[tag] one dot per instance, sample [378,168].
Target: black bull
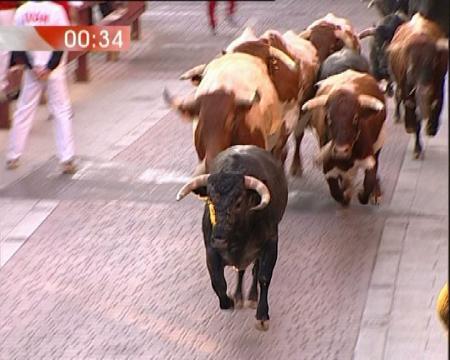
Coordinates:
[246,196]
[435,10]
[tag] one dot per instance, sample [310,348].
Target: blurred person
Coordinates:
[44,70]
[212,14]
[7,11]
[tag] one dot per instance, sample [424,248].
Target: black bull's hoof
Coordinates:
[227,304]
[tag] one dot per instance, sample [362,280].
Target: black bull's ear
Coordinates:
[201,192]
[253,198]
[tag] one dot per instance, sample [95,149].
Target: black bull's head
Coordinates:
[230,198]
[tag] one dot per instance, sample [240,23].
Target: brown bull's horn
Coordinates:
[283,57]
[320,100]
[195,71]
[367,32]
[371,3]
[178,103]
[195,183]
[257,185]
[370,102]
[305,34]
[340,34]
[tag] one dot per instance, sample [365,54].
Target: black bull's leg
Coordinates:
[266,264]
[238,298]
[253,294]
[216,273]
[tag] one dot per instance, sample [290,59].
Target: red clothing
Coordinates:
[8,5]
[212,11]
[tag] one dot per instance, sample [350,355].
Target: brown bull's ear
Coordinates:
[196,80]
[315,102]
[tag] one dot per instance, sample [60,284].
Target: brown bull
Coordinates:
[234,104]
[294,88]
[330,34]
[292,66]
[348,115]
[418,58]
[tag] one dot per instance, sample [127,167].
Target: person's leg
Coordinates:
[61,109]
[27,104]
[6,19]
[231,11]
[231,7]
[212,15]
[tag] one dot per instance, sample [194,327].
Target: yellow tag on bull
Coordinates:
[212,212]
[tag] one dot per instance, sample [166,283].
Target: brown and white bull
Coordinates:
[293,76]
[348,116]
[294,88]
[330,34]
[235,103]
[418,58]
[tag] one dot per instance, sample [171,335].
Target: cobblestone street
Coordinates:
[105,264]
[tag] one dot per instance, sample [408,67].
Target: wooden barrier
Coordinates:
[127,14]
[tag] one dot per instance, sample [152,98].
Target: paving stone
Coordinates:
[386,268]
[118,270]
[371,343]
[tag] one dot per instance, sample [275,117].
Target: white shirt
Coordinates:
[41,13]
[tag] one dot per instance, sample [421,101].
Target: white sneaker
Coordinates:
[69,167]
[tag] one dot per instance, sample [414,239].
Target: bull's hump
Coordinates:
[240,74]
[302,49]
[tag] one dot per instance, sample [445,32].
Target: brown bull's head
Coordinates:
[343,110]
[328,38]
[217,116]
[230,198]
[426,68]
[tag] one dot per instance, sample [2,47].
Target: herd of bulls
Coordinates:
[261,90]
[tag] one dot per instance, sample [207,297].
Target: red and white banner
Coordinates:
[65,38]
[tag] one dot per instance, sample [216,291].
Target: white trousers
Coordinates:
[59,106]
[6,19]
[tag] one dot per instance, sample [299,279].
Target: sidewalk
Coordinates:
[111,267]
[400,319]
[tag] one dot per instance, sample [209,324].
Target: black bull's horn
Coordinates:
[250,182]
